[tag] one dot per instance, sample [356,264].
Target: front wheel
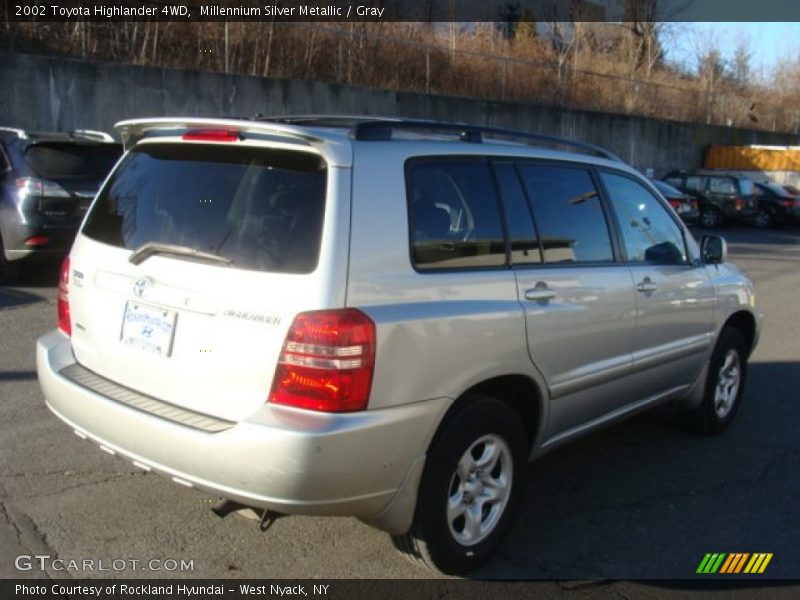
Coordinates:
[470,489]
[727,370]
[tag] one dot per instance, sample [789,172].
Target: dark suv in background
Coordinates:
[47,181]
[776,206]
[724,198]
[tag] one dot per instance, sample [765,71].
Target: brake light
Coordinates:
[38,240]
[789,203]
[211,135]
[327,362]
[674,202]
[64,322]
[695,205]
[739,203]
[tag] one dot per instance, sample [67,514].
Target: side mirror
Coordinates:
[713,249]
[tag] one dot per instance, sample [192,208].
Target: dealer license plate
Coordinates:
[148,328]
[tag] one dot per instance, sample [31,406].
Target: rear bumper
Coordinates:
[283,459]
[59,240]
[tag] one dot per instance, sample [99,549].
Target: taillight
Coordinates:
[789,203]
[327,361]
[739,203]
[211,135]
[64,323]
[695,205]
[30,186]
[674,202]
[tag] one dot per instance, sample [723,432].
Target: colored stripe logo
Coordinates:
[734,563]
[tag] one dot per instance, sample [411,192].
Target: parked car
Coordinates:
[686,206]
[47,181]
[385,319]
[776,206]
[724,198]
[792,190]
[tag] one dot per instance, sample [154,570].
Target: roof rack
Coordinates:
[92,134]
[381,129]
[18,132]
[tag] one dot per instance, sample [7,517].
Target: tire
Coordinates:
[9,271]
[764,219]
[443,536]
[727,373]
[710,218]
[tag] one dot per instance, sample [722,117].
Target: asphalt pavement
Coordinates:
[641,500]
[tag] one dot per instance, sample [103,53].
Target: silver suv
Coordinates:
[382,318]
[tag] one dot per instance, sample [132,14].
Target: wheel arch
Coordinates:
[518,391]
[744,322]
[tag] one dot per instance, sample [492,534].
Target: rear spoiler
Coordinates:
[336,149]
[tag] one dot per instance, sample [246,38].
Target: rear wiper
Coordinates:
[145,251]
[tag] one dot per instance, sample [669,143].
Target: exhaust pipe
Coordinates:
[264,517]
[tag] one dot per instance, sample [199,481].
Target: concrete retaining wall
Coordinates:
[49,93]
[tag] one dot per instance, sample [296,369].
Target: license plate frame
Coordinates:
[148,328]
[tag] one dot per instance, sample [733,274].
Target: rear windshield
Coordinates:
[667,189]
[262,209]
[72,161]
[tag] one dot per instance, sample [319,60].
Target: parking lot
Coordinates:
[643,499]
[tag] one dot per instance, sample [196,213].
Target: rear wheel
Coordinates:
[724,385]
[470,488]
[764,219]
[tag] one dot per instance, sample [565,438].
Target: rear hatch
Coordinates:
[192,264]
[70,173]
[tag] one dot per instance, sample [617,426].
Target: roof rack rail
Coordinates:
[18,132]
[381,129]
[92,134]
[376,130]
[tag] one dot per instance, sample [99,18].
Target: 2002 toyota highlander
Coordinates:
[382,318]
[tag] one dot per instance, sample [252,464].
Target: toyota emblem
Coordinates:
[140,286]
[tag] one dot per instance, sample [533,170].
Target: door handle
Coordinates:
[540,293]
[647,285]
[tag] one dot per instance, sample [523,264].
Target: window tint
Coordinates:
[519,223]
[59,160]
[260,208]
[696,183]
[721,185]
[455,220]
[676,182]
[568,214]
[649,233]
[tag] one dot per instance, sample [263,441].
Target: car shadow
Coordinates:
[646,499]
[14,298]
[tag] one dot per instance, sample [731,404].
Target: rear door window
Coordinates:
[721,185]
[260,208]
[454,215]
[568,214]
[696,183]
[60,160]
